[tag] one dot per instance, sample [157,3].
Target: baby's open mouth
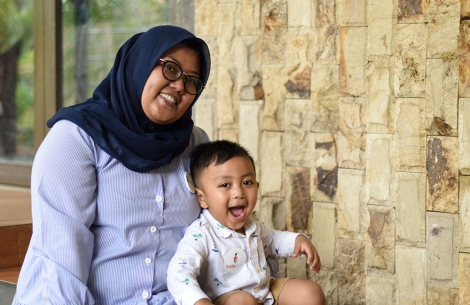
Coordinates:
[237,211]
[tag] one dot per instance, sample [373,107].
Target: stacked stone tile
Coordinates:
[357,114]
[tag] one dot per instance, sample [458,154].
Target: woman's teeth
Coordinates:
[168,98]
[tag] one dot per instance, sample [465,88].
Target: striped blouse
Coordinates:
[102,234]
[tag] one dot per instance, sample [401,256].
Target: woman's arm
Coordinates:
[63,189]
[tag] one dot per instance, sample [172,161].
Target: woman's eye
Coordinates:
[192,81]
[170,68]
[248,182]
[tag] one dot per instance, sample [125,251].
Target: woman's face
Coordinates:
[165,101]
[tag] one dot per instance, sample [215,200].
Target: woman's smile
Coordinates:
[169,98]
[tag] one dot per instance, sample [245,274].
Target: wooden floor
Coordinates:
[15,230]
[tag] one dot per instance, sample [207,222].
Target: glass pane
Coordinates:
[93,31]
[16,81]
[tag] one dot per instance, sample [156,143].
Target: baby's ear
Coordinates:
[201,198]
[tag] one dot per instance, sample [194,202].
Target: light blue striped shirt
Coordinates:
[102,234]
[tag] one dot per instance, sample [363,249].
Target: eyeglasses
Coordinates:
[172,71]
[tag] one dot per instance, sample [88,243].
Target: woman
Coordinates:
[110,193]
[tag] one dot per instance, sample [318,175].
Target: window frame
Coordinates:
[47,32]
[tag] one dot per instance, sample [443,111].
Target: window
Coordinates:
[74,45]
[16,91]
[93,31]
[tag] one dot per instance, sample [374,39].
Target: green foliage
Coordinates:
[16,25]
[16,29]
[26,19]
[110,23]
[24,94]
[11,28]
[118,13]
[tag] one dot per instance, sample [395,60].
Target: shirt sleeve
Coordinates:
[277,244]
[63,189]
[185,266]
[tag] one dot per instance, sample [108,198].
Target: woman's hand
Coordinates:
[304,246]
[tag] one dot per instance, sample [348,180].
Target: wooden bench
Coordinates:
[15,230]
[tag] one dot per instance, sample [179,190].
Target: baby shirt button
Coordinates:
[153,229]
[158,198]
[148,261]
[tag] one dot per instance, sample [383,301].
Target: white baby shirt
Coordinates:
[212,260]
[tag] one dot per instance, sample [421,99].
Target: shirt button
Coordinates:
[153,229]
[256,289]
[158,198]
[148,261]
[257,269]
[145,294]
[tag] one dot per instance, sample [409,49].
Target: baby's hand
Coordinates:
[304,246]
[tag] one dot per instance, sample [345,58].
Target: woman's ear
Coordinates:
[201,198]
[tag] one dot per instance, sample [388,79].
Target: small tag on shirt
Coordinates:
[234,260]
[189,182]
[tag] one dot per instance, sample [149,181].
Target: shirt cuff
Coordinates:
[191,297]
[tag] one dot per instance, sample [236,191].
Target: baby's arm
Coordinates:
[286,244]
[304,246]
[185,267]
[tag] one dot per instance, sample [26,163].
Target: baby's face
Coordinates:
[229,191]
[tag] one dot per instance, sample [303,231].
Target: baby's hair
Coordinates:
[215,152]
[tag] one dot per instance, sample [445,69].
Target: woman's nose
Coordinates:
[178,84]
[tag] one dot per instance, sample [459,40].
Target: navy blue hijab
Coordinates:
[114,117]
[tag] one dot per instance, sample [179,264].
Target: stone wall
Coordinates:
[357,114]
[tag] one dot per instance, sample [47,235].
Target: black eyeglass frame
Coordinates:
[164,62]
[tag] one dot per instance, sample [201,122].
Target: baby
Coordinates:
[222,258]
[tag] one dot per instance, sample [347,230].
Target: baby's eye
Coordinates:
[248,182]
[223,185]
